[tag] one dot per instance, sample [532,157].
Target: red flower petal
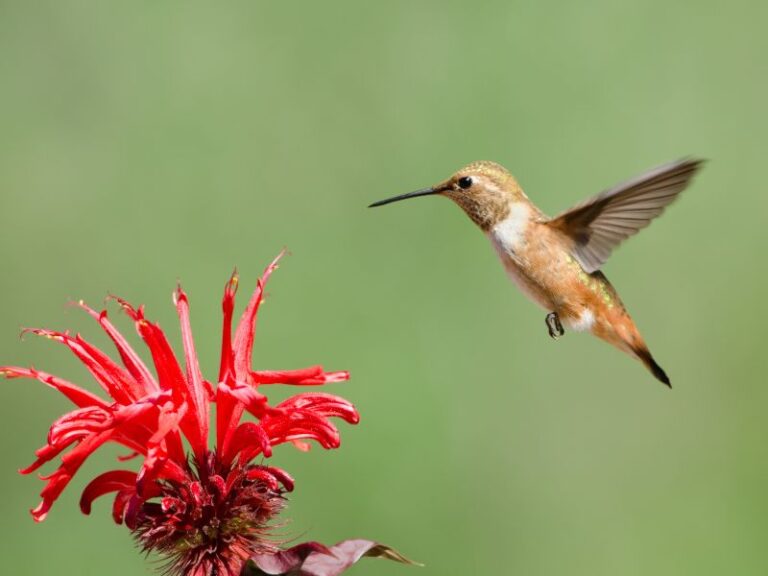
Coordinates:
[46,454]
[231,399]
[113,379]
[70,463]
[312,376]
[127,457]
[226,365]
[236,367]
[196,393]
[78,423]
[169,372]
[157,452]
[282,476]
[247,435]
[301,425]
[247,397]
[75,394]
[322,405]
[131,360]
[121,503]
[123,419]
[246,328]
[264,476]
[112,481]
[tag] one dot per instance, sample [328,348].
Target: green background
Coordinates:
[146,142]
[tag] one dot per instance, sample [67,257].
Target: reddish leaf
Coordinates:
[314,559]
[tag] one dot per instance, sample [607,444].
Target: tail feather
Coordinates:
[645,357]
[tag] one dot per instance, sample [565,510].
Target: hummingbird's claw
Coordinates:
[554,325]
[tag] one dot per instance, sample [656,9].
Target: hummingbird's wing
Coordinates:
[601,223]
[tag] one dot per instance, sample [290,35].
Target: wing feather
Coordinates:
[602,222]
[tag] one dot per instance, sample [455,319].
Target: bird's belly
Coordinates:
[527,284]
[555,290]
[549,277]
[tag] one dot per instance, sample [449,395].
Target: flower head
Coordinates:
[207,510]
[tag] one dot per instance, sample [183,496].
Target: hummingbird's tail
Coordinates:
[644,355]
[622,333]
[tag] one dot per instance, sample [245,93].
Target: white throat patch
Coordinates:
[509,234]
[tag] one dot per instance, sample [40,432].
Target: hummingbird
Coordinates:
[556,261]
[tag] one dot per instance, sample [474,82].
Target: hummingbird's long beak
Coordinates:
[422,192]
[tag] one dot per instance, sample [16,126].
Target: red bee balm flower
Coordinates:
[207,511]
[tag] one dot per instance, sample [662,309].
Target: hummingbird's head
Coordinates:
[484,190]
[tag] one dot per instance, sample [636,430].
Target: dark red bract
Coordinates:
[207,510]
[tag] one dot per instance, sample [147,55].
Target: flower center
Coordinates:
[213,522]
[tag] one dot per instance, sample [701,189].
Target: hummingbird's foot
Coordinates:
[554,326]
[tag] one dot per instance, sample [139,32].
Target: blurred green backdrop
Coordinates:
[147,142]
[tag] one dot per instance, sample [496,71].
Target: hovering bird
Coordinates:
[556,261]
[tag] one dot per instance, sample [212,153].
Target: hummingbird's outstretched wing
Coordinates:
[601,223]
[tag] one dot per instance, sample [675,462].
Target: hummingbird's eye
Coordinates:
[465,182]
